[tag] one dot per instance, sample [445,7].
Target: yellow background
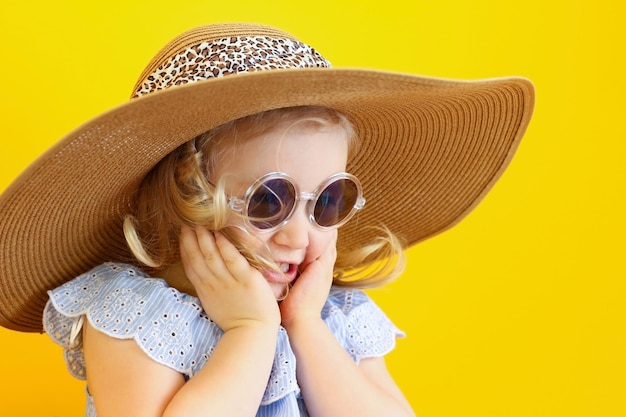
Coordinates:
[519,310]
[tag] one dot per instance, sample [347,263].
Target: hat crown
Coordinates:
[218,50]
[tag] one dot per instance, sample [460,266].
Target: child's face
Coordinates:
[309,156]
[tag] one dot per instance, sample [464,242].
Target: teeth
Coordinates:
[284,267]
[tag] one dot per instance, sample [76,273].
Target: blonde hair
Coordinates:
[177,192]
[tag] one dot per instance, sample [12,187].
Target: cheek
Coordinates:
[319,243]
[250,239]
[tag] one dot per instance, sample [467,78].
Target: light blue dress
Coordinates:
[172,328]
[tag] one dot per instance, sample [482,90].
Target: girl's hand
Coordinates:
[232,292]
[309,293]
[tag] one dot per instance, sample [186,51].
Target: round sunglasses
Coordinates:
[270,201]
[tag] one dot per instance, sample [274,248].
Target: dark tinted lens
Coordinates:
[335,202]
[271,203]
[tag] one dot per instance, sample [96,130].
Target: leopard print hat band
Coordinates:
[226,55]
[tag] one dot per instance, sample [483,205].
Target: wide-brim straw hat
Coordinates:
[430,150]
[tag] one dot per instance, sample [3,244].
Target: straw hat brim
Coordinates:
[430,150]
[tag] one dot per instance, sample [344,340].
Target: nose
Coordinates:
[295,234]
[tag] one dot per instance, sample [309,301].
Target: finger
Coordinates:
[191,255]
[329,256]
[188,247]
[234,261]
[211,255]
[201,259]
[322,267]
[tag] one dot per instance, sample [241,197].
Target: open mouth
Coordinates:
[288,273]
[290,270]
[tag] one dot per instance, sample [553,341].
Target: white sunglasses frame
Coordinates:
[240,205]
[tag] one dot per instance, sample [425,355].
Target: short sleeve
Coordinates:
[123,302]
[360,326]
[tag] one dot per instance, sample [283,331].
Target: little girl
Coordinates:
[203,246]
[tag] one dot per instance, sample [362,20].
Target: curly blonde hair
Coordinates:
[177,192]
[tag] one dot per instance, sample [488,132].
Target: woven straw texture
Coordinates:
[430,151]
